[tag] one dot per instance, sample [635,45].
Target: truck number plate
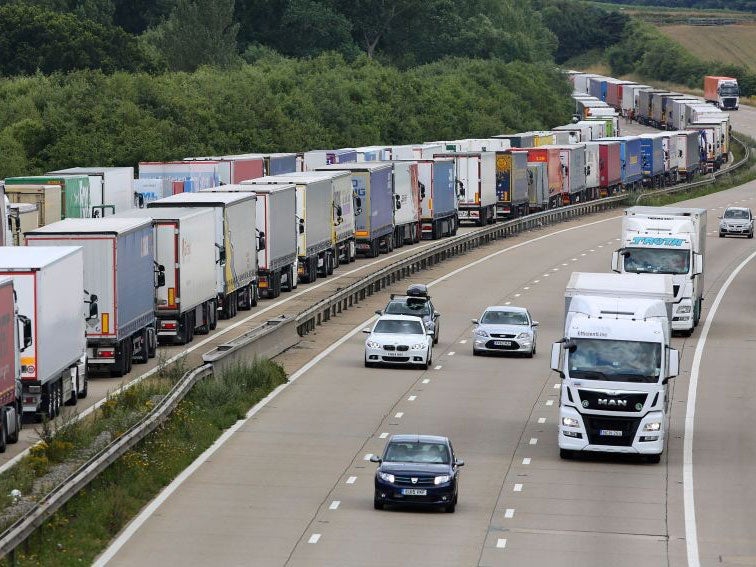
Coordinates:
[414,491]
[463,214]
[502,343]
[610,433]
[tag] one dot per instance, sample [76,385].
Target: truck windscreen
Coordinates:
[657,260]
[618,361]
[729,91]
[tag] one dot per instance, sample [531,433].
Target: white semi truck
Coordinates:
[667,240]
[615,361]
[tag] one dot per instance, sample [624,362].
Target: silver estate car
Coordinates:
[736,220]
[505,329]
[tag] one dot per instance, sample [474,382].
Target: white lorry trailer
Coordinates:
[276,234]
[185,297]
[119,280]
[235,245]
[476,185]
[407,203]
[49,286]
[115,191]
[667,240]
[615,361]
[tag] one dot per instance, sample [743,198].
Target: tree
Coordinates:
[198,32]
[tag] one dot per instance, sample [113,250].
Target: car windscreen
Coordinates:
[410,306]
[736,214]
[409,452]
[657,260]
[399,327]
[619,361]
[504,318]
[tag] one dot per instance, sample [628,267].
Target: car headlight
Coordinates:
[524,335]
[418,346]
[430,324]
[372,344]
[684,309]
[570,422]
[386,476]
[652,426]
[481,333]
[442,479]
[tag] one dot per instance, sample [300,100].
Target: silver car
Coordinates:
[505,329]
[736,220]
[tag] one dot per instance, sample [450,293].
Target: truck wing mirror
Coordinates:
[221,254]
[617,261]
[261,241]
[301,226]
[556,353]
[159,275]
[674,363]
[93,309]
[26,331]
[398,201]
[697,264]
[422,190]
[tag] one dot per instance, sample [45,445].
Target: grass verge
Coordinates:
[82,529]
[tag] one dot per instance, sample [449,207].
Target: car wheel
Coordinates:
[476,352]
[653,459]
[451,507]
[721,235]
[377,504]
[750,235]
[368,364]
[566,454]
[531,353]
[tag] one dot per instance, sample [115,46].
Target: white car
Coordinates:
[736,221]
[399,339]
[505,329]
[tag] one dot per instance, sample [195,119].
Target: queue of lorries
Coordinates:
[123,263]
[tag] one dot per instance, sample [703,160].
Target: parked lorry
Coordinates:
[15,335]
[521,140]
[407,202]
[538,186]
[234,168]
[315,158]
[148,190]
[549,156]
[374,153]
[74,194]
[415,151]
[22,217]
[275,163]
[511,184]
[603,168]
[235,245]
[566,171]
[119,282]
[615,360]
[276,230]
[47,198]
[652,159]
[49,286]
[185,176]
[631,162]
[476,185]
[374,205]
[723,92]
[185,300]
[438,197]
[688,152]
[667,240]
[114,190]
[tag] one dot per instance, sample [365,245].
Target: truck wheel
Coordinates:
[213,314]
[74,397]
[129,358]
[13,437]
[374,249]
[85,390]
[352,248]
[144,356]
[329,261]
[3,444]
[254,295]
[204,329]
[336,258]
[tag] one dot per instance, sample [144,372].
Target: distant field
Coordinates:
[731,44]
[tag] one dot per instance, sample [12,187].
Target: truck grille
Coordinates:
[626,403]
[595,425]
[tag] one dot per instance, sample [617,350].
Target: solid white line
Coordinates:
[314,538]
[383,435]
[411,398]
[533,440]
[691,531]
[526,461]
[399,414]
[501,543]
[549,402]
[509,513]
[334,505]
[179,480]
[351,480]
[517,488]
[541,420]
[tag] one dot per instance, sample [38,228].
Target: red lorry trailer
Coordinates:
[10,369]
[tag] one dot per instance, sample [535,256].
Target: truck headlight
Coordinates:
[652,426]
[684,309]
[372,344]
[570,422]
[442,479]
[481,333]
[386,476]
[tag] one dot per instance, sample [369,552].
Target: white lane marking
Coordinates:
[411,398]
[351,480]
[367,457]
[556,386]
[334,505]
[383,435]
[314,538]
[564,264]
[501,543]
[426,380]
[507,303]
[549,402]
[546,275]
[536,281]
[517,294]
[158,501]
[526,288]
[526,461]
[451,353]
[574,260]
[591,250]
[533,440]
[583,254]
[438,367]
[691,531]
[517,488]
[541,420]
[509,513]
[554,269]
[399,414]
[463,341]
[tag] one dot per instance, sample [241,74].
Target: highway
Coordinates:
[292,485]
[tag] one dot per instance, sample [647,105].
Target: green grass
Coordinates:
[81,530]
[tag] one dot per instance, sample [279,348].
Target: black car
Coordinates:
[417,470]
[418,303]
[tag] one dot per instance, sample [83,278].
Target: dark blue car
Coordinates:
[417,470]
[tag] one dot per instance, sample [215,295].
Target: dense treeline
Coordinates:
[738,5]
[278,104]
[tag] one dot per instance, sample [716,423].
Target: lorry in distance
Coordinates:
[723,92]
[114,191]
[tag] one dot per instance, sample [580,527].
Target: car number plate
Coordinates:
[414,491]
[610,433]
[393,354]
[503,343]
